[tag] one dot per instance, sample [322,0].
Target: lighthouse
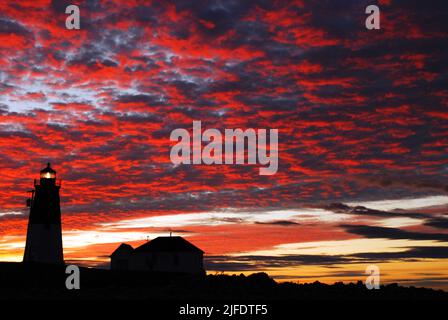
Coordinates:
[44,235]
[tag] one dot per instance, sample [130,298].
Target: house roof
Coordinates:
[168,244]
[124,247]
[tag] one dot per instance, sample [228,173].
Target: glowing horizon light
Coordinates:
[229,217]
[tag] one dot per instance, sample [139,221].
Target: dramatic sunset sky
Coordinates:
[362,119]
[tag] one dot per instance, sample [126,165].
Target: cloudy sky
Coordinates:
[362,119]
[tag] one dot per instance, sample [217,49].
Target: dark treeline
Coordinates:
[41,282]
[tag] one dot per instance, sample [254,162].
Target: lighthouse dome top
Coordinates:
[48,172]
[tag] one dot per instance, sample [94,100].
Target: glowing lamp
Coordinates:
[48,173]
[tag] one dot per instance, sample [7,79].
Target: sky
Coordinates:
[361,116]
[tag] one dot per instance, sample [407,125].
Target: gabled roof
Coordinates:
[124,247]
[168,244]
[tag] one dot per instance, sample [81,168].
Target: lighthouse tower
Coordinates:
[44,236]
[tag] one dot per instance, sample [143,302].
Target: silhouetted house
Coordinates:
[163,254]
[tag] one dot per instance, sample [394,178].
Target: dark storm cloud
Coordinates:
[243,263]
[279,223]
[139,117]
[272,103]
[333,17]
[224,263]
[12,27]
[438,222]
[223,14]
[363,211]
[387,181]
[392,233]
[59,6]
[412,253]
[91,55]
[142,98]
